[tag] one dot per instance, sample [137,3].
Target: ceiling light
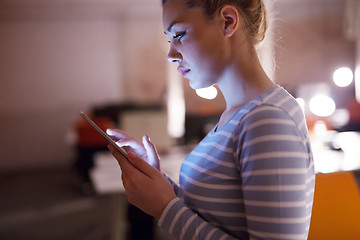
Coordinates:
[343,77]
[322,106]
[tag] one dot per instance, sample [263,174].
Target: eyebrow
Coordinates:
[170,27]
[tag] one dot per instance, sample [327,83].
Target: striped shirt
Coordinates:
[251,179]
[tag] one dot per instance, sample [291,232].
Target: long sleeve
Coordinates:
[181,221]
[176,187]
[187,224]
[277,175]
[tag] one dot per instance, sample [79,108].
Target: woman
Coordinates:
[252,176]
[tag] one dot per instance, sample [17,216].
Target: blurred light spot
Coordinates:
[340,118]
[349,142]
[207,93]
[322,106]
[343,77]
[320,128]
[175,103]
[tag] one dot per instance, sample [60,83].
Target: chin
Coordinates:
[194,86]
[198,84]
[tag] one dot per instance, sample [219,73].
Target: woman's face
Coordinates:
[196,44]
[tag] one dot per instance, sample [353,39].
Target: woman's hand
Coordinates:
[146,187]
[146,150]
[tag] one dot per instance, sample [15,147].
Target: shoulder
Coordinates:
[264,112]
[266,120]
[276,107]
[275,111]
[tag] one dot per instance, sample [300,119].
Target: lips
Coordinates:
[183,71]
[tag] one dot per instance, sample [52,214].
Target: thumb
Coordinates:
[153,156]
[141,164]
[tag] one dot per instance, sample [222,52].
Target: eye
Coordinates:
[179,36]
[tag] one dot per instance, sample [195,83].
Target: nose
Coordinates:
[174,55]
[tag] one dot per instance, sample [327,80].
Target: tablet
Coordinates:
[103,134]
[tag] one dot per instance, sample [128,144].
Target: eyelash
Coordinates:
[179,36]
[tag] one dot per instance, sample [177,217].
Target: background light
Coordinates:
[207,93]
[322,106]
[343,77]
[301,102]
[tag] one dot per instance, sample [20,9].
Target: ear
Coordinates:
[230,19]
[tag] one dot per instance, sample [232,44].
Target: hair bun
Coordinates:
[257,22]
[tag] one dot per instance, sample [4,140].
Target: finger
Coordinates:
[131,142]
[142,165]
[151,151]
[149,147]
[133,145]
[125,165]
[117,133]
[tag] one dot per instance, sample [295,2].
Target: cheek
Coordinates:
[201,56]
[204,52]
[193,53]
[212,51]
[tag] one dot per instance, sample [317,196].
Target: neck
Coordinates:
[243,80]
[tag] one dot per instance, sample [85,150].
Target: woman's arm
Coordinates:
[277,174]
[146,187]
[180,221]
[149,190]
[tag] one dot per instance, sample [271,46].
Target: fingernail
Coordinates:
[108,131]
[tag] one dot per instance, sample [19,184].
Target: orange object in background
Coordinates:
[354,110]
[336,209]
[88,137]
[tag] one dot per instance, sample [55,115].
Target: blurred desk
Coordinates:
[106,179]
[336,151]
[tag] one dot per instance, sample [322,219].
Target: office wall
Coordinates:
[60,57]
[310,43]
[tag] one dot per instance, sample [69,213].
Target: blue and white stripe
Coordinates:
[252,178]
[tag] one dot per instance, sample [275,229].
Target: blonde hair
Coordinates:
[253,12]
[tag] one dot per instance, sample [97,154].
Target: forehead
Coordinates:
[174,11]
